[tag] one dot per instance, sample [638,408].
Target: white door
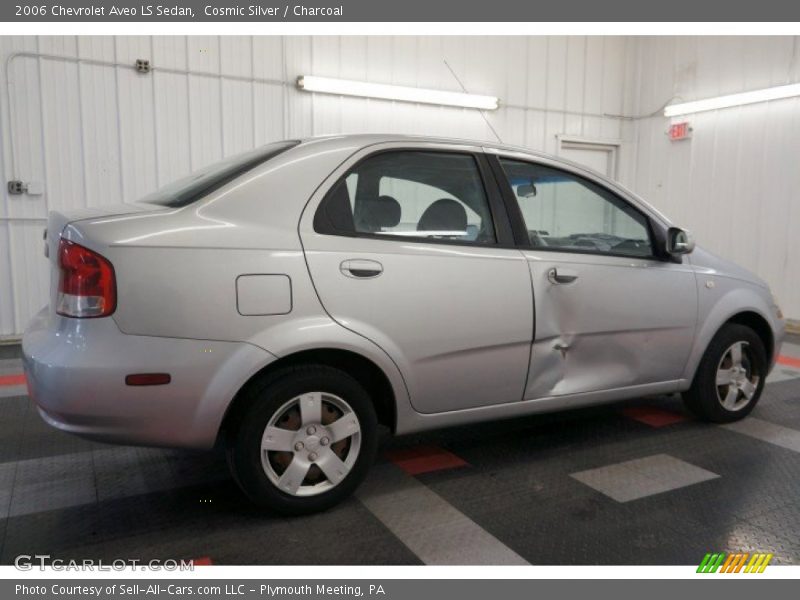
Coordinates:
[600,156]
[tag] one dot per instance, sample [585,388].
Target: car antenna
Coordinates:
[464,89]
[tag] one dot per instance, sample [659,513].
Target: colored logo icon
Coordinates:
[741,562]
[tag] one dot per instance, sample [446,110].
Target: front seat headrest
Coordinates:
[444,215]
[375,214]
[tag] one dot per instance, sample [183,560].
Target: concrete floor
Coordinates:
[633,483]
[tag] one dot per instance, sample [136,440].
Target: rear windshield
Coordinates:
[185,191]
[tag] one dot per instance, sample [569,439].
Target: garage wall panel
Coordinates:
[62,125]
[735,181]
[237,116]
[100,140]
[172,124]
[205,120]
[94,131]
[23,132]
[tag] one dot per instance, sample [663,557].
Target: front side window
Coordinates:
[412,194]
[565,212]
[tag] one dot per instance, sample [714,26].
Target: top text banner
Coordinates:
[401,11]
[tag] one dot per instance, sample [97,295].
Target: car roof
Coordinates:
[367,139]
[363,140]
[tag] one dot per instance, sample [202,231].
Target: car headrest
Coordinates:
[443,215]
[377,213]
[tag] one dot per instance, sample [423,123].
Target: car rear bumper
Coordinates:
[76,370]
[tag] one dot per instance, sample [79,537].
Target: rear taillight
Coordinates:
[87,286]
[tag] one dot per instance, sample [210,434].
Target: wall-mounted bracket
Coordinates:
[142,65]
[17,187]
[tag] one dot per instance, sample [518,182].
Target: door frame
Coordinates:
[311,229]
[611,146]
[658,222]
[502,222]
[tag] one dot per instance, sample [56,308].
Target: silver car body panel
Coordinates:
[448,361]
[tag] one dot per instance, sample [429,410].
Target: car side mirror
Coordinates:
[679,241]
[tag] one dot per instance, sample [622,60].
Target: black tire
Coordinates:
[269,394]
[704,397]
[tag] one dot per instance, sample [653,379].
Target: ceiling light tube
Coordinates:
[773,93]
[344,87]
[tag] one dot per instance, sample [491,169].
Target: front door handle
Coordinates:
[559,276]
[360,268]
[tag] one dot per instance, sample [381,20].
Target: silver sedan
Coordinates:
[290,300]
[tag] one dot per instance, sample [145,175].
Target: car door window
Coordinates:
[412,194]
[566,212]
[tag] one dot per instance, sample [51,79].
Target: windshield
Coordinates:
[185,191]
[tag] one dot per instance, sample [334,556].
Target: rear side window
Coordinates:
[202,182]
[410,194]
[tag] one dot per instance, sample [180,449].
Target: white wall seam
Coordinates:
[155,119]
[188,108]
[82,124]
[118,116]
[220,99]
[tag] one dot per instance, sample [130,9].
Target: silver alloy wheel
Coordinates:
[737,379]
[310,444]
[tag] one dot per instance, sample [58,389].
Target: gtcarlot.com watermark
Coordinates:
[42,562]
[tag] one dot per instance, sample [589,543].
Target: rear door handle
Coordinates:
[360,268]
[559,276]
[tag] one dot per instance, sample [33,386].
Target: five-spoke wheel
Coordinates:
[303,439]
[737,380]
[730,377]
[310,444]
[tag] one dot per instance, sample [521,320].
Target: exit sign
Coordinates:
[680,131]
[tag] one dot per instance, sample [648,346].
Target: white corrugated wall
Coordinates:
[93,133]
[736,182]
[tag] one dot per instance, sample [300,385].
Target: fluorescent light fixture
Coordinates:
[344,87]
[773,93]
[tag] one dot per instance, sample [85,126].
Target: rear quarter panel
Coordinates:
[177,270]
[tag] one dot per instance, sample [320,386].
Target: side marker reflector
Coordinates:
[148,379]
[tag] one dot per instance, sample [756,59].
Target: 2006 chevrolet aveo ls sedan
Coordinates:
[289,300]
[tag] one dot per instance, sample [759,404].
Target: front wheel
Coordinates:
[305,441]
[730,377]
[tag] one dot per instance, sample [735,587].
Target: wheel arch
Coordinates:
[759,324]
[361,368]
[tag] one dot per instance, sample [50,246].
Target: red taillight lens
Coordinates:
[87,286]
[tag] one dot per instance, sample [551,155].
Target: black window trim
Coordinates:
[521,234]
[502,223]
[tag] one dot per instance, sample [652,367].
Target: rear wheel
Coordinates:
[305,441]
[730,377]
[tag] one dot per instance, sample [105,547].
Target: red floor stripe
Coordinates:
[789,361]
[203,561]
[424,459]
[655,417]
[18,379]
